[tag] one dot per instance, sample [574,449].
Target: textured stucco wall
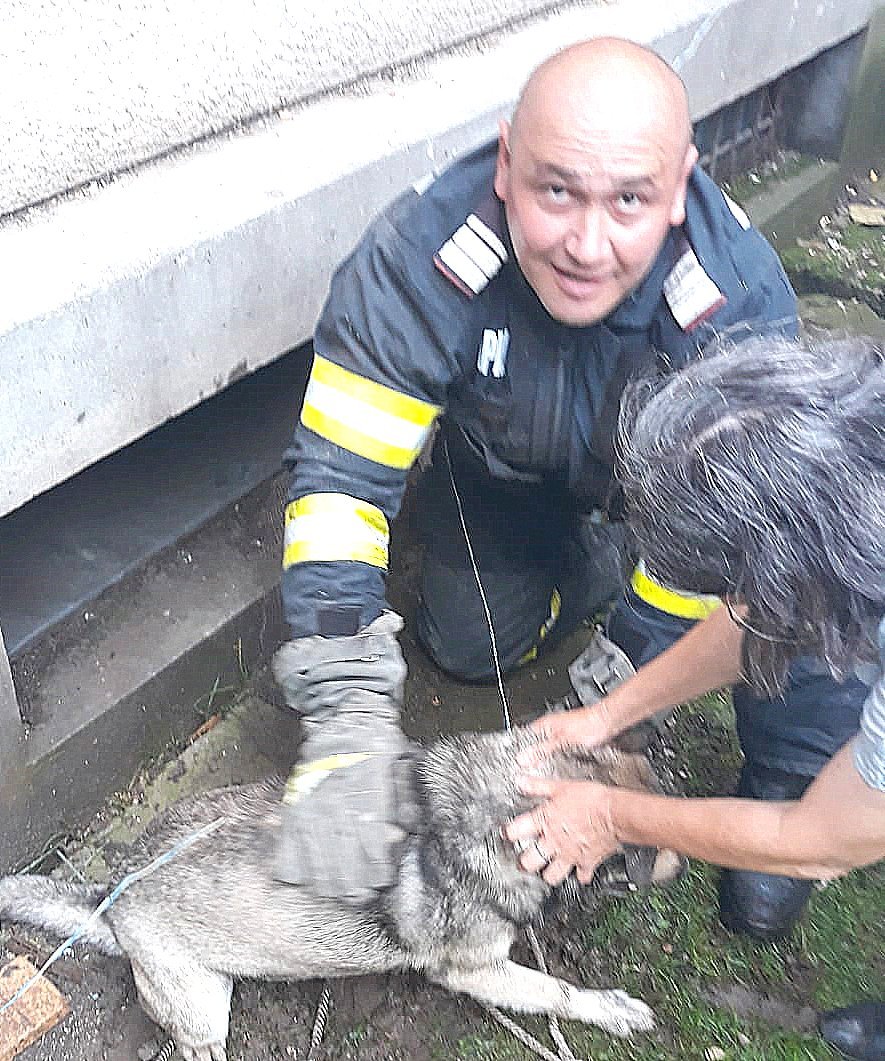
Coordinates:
[93,86]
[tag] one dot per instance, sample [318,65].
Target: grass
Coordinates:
[846,261]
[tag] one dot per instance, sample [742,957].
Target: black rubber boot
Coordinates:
[856,1031]
[765,906]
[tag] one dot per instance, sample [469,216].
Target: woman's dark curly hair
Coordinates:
[758,473]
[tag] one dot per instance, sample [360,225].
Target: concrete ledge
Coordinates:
[138,672]
[128,304]
[789,208]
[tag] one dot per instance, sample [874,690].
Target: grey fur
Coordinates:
[215,913]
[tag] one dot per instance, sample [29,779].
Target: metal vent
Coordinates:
[741,135]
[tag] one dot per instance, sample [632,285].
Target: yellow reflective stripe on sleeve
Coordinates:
[671,601]
[367,418]
[305,778]
[329,527]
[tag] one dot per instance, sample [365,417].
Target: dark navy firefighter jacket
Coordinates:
[431,315]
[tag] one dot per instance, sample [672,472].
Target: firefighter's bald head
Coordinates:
[593,171]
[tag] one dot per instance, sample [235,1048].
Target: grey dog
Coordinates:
[214,912]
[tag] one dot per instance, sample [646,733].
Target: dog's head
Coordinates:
[468,788]
[634,867]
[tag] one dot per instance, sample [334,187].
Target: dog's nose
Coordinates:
[635,868]
[668,866]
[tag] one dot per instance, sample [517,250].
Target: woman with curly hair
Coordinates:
[756,475]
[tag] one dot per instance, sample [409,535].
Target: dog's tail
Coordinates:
[58,907]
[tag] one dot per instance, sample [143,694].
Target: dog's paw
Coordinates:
[614,1011]
[204,1052]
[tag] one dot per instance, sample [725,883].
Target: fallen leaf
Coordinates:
[866,214]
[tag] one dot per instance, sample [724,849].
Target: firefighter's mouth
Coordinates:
[579,280]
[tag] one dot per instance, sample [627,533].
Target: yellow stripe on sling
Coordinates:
[671,601]
[376,422]
[329,527]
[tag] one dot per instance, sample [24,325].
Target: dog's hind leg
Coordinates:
[530,991]
[190,1001]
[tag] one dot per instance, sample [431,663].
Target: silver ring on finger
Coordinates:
[541,853]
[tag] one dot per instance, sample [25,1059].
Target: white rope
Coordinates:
[319,1021]
[166,1051]
[565,1051]
[110,899]
[482,593]
[526,1038]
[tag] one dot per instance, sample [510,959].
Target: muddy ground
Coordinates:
[716,997]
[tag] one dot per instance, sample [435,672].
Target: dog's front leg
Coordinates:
[530,991]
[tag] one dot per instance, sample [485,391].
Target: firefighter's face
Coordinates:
[590,194]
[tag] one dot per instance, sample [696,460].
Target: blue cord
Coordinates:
[109,901]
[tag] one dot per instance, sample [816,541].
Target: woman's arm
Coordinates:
[707,657]
[837,825]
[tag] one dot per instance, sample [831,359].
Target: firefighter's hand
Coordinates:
[347,810]
[349,802]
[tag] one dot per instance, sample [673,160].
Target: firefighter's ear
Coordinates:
[502,166]
[677,210]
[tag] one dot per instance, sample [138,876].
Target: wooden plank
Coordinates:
[40,1008]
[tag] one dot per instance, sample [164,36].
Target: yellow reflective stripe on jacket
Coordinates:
[544,629]
[367,418]
[671,601]
[335,527]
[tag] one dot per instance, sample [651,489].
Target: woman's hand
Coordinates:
[585,727]
[571,829]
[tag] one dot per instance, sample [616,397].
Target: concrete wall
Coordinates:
[93,87]
[127,303]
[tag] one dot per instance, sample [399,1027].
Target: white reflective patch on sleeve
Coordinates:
[738,212]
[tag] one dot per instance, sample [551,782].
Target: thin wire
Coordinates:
[482,594]
[565,1053]
[109,901]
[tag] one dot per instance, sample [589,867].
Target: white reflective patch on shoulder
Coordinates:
[738,212]
[423,183]
[484,232]
[690,293]
[462,266]
[472,256]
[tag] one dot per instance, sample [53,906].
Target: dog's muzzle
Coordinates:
[636,869]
